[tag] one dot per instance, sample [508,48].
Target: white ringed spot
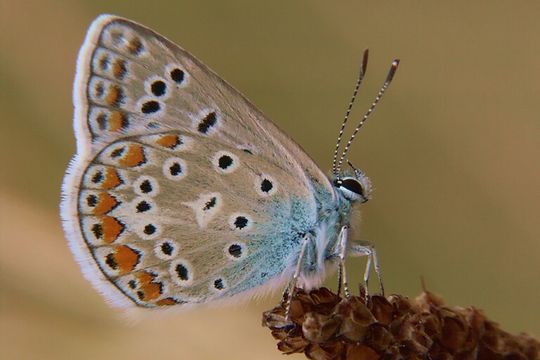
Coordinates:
[146,186]
[159,87]
[225,162]
[240,222]
[143,205]
[177,75]
[166,249]
[265,185]
[174,168]
[235,250]
[151,107]
[147,229]
[206,207]
[218,284]
[181,272]
[206,122]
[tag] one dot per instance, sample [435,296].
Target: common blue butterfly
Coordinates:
[182,192]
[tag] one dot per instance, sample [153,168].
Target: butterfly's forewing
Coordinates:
[181,191]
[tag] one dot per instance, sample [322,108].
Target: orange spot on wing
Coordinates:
[168,141]
[166,302]
[112,228]
[134,156]
[150,290]
[134,46]
[145,277]
[114,95]
[112,179]
[105,204]
[119,68]
[117,121]
[126,258]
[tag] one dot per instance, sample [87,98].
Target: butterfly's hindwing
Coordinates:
[197,222]
[182,191]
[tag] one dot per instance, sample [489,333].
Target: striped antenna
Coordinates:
[361,74]
[387,82]
[352,166]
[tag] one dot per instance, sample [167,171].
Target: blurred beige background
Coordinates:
[452,150]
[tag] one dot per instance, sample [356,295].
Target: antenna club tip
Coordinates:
[392,71]
[365,57]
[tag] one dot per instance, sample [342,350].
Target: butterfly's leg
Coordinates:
[342,276]
[366,249]
[292,284]
[377,269]
[339,279]
[360,250]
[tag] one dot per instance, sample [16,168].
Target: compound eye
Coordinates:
[352,189]
[354,186]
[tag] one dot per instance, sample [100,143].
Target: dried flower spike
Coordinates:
[325,326]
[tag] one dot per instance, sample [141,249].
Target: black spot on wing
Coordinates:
[266,186]
[210,204]
[146,186]
[218,284]
[143,206]
[207,123]
[158,88]
[175,169]
[149,229]
[177,76]
[182,272]
[240,222]
[97,229]
[235,250]
[225,161]
[150,107]
[111,261]
[167,248]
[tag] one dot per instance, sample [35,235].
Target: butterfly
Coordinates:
[182,192]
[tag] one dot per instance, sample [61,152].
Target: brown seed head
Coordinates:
[325,326]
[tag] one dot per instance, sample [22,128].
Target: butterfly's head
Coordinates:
[354,187]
